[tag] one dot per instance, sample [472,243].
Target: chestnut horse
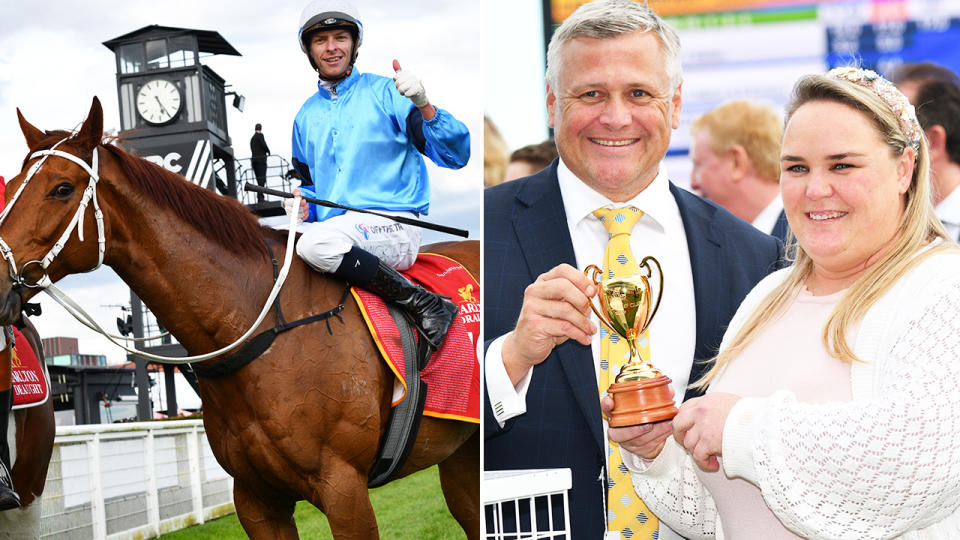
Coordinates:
[35,430]
[303,421]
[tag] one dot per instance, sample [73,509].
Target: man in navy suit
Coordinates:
[613,96]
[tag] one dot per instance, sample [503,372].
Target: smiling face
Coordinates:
[612,111]
[331,52]
[843,188]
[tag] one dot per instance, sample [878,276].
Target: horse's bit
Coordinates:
[90,193]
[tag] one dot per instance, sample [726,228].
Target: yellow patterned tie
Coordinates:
[626,513]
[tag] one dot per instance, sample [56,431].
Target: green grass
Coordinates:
[412,507]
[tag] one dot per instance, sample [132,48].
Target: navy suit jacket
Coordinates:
[781,228]
[526,234]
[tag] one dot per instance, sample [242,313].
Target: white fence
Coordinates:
[529,504]
[134,480]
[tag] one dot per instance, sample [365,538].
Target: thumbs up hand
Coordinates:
[409,86]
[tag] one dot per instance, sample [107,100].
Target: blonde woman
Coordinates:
[834,406]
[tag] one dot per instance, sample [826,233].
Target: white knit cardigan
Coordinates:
[884,465]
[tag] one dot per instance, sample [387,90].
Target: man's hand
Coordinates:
[555,308]
[288,207]
[698,427]
[409,86]
[645,440]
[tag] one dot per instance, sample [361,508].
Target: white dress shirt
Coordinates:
[659,233]
[766,220]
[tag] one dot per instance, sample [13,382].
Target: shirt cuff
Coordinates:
[506,400]
[740,432]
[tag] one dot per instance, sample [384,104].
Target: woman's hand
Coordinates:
[698,427]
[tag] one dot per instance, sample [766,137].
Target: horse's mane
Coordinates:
[222,219]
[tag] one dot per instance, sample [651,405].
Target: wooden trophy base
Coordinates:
[641,402]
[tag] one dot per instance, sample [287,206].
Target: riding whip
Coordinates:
[399,219]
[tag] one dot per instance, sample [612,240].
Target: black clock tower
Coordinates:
[173,108]
[172,112]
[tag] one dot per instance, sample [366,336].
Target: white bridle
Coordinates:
[90,193]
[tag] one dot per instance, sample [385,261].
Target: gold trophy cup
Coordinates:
[641,393]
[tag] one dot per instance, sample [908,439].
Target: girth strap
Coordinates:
[405,417]
[252,349]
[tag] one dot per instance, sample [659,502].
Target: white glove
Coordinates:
[288,207]
[409,86]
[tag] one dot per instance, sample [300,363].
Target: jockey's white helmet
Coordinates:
[330,14]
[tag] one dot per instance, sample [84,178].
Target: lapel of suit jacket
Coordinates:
[781,227]
[704,246]
[540,224]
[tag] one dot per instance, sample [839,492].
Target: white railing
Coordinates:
[134,480]
[529,504]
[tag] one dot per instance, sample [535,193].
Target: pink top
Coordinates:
[769,364]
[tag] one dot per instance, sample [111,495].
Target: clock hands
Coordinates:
[160,103]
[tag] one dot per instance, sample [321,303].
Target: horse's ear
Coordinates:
[30,133]
[91,132]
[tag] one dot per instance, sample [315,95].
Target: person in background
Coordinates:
[495,153]
[736,163]
[359,141]
[911,76]
[530,159]
[833,405]
[613,97]
[935,92]
[258,158]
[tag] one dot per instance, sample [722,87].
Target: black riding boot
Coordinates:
[432,313]
[8,497]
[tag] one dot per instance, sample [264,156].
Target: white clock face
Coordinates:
[158,101]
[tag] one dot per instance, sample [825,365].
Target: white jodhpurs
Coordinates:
[323,243]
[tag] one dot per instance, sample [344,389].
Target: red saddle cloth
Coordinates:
[29,382]
[453,372]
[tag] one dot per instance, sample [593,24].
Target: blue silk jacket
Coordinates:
[364,147]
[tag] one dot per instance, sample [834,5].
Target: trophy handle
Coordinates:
[592,272]
[645,263]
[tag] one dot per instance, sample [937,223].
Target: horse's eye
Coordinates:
[62,190]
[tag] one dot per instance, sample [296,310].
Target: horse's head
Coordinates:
[53,190]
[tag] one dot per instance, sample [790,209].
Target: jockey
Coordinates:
[8,497]
[358,141]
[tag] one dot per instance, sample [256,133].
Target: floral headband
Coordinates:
[897,102]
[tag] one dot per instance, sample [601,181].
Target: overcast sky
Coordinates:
[52,63]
